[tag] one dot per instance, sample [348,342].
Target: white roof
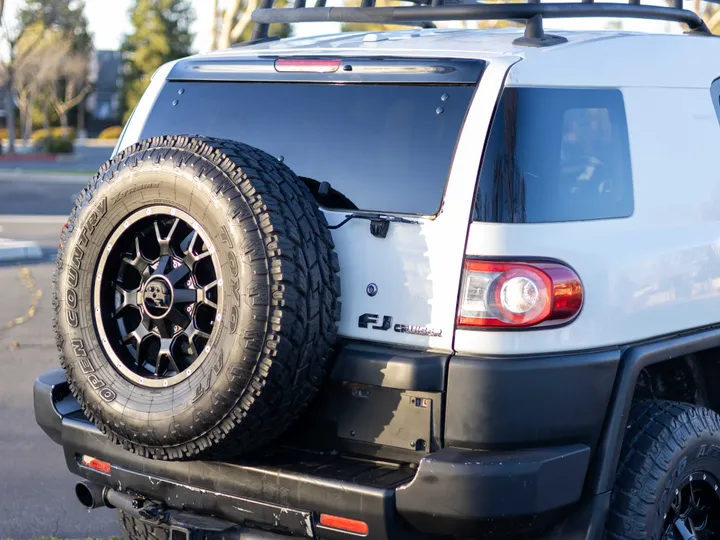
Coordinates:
[597,58]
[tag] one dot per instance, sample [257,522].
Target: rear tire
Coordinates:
[134,529]
[669,474]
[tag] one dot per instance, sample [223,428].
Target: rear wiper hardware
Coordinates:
[379,223]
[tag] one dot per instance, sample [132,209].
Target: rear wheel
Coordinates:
[668,481]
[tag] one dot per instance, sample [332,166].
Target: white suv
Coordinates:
[527,238]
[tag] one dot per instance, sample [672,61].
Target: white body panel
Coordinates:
[417,268]
[654,273]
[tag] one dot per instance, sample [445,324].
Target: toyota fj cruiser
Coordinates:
[526,226]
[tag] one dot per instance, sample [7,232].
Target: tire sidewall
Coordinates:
[188,409]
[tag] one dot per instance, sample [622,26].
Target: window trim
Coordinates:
[715,95]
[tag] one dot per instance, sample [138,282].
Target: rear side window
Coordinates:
[556,155]
[380,147]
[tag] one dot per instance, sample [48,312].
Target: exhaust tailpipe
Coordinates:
[91,495]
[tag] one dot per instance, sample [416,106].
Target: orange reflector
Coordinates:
[343,524]
[93,463]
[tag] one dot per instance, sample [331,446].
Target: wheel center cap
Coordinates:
[157,296]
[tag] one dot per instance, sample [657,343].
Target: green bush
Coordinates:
[54,133]
[58,145]
[113,132]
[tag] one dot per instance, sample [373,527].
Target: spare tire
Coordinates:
[196,297]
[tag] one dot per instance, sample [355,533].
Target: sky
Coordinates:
[109,21]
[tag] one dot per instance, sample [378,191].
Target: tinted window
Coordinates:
[380,147]
[556,155]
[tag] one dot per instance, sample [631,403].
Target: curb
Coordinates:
[18,250]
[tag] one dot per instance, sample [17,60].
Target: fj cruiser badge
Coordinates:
[367,319]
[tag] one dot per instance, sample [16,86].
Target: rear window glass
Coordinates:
[381,147]
[556,155]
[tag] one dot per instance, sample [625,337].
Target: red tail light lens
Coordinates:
[518,294]
[307,65]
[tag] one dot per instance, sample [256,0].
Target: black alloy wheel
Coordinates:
[157,296]
[694,513]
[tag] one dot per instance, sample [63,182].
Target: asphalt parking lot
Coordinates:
[37,496]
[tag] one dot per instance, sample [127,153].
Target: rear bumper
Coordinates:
[451,492]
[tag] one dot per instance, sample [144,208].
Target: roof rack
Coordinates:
[423,11]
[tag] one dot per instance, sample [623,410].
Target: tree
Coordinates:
[70,86]
[709,12]
[37,74]
[66,46]
[12,36]
[374,27]
[711,15]
[161,33]
[234,24]
[65,18]
[37,19]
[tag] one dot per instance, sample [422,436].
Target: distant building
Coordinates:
[3,95]
[103,105]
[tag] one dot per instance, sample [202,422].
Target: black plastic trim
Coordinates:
[52,401]
[285,488]
[715,94]
[368,70]
[388,367]
[469,487]
[514,402]
[634,359]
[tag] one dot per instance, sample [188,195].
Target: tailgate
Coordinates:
[390,146]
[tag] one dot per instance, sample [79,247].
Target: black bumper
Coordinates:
[451,492]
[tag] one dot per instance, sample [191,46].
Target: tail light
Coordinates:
[307,65]
[518,294]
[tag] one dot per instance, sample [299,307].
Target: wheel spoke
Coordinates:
[139,262]
[165,327]
[193,332]
[178,317]
[176,274]
[127,299]
[136,338]
[164,242]
[162,266]
[166,346]
[187,296]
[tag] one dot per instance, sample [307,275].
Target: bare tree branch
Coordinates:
[714,21]
[214,25]
[244,21]
[227,24]
[73,74]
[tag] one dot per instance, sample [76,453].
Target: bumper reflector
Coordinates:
[344,524]
[96,464]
